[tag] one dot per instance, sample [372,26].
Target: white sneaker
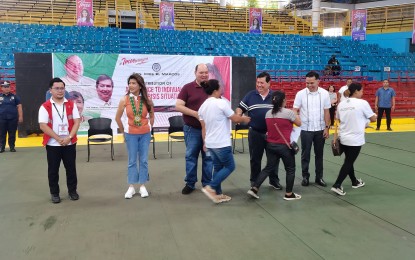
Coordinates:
[130,193]
[339,191]
[359,184]
[143,192]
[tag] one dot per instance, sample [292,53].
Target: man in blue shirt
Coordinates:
[385,102]
[257,103]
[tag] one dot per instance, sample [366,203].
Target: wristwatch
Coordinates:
[327,126]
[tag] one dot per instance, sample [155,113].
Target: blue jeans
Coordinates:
[137,146]
[194,146]
[223,166]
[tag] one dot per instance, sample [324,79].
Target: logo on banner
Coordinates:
[156,67]
[125,61]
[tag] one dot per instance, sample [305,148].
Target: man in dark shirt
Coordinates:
[189,100]
[11,113]
[257,103]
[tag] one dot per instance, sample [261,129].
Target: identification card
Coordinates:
[63,130]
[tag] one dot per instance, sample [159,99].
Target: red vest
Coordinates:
[68,107]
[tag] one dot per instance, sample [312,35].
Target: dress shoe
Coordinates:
[321,182]
[73,195]
[275,185]
[12,150]
[389,129]
[305,182]
[55,198]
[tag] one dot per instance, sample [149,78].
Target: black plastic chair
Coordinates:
[240,129]
[175,132]
[100,132]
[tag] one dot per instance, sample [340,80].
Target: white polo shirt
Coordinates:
[57,114]
[215,112]
[353,114]
[311,106]
[341,92]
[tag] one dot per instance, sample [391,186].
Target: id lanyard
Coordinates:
[59,114]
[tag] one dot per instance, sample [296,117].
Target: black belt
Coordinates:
[257,130]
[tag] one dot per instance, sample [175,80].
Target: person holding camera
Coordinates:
[279,122]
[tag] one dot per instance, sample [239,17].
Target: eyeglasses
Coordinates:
[59,89]
[5,86]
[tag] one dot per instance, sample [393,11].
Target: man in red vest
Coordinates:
[59,120]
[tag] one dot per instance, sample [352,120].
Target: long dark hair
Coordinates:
[143,89]
[278,98]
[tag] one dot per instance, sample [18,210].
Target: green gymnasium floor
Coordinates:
[373,222]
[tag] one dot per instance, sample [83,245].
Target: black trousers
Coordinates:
[257,145]
[308,139]
[332,111]
[56,154]
[8,126]
[351,153]
[387,111]
[275,152]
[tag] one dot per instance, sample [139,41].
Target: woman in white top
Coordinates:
[333,100]
[215,116]
[354,114]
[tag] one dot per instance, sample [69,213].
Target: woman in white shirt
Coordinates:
[215,116]
[354,114]
[333,100]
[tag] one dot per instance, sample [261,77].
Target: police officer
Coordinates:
[11,114]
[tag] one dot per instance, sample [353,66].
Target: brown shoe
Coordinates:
[211,194]
[223,198]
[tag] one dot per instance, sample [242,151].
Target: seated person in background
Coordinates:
[327,70]
[335,65]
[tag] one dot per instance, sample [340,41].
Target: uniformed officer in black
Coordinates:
[11,114]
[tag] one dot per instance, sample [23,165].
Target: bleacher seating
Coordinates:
[286,57]
[273,52]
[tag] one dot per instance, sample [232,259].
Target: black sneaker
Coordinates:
[73,195]
[389,129]
[2,150]
[293,196]
[275,185]
[12,150]
[254,193]
[377,128]
[187,190]
[55,198]
[305,182]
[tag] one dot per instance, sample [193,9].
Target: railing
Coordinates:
[188,16]
[386,19]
